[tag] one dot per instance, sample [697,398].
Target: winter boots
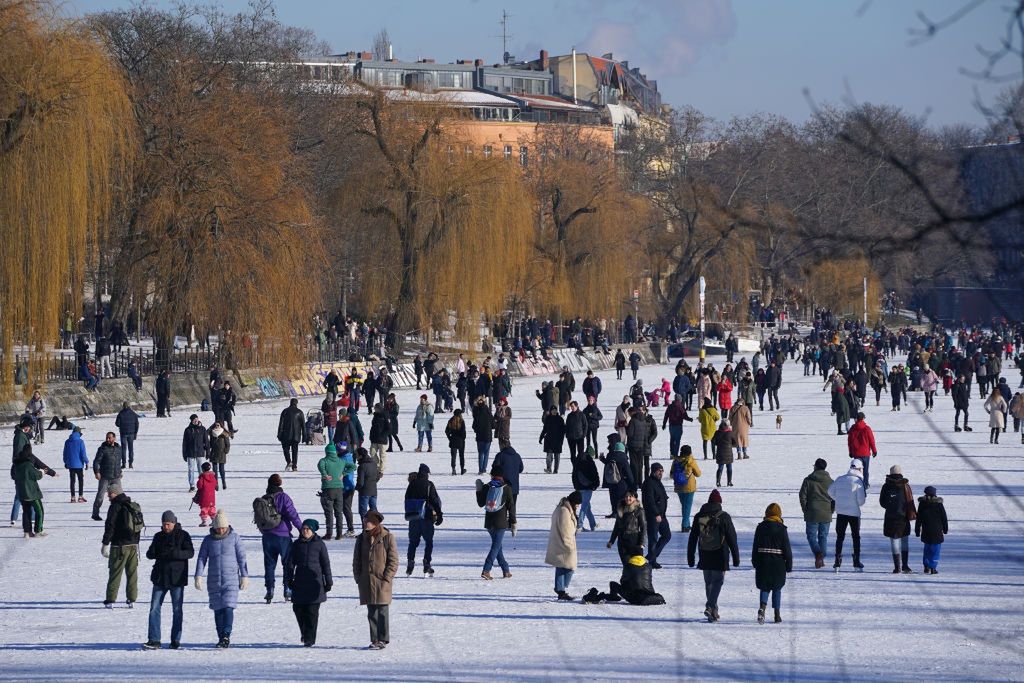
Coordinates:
[857,563]
[906,566]
[838,563]
[895,563]
[408,568]
[819,560]
[428,571]
[778,616]
[269,597]
[760,612]
[562,595]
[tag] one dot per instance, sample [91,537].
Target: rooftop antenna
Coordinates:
[505,37]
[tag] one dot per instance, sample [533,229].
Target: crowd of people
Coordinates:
[849,357]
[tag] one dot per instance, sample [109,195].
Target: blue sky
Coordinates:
[724,57]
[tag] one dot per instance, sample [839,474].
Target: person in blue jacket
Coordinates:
[76,459]
[229,574]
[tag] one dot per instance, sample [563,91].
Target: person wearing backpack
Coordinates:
[380,433]
[630,528]
[898,501]
[714,536]
[561,550]
[367,476]
[772,558]
[121,533]
[684,473]
[171,548]
[499,506]
[817,506]
[931,526]
[585,480]
[423,512]
[275,516]
[618,475]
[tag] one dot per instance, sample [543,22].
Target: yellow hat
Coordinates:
[638,560]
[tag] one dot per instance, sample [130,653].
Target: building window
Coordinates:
[523,156]
[487,151]
[508,151]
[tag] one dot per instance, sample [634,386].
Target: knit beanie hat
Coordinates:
[895,469]
[423,468]
[929,490]
[657,467]
[114,489]
[168,518]
[773,510]
[313,525]
[274,480]
[331,449]
[221,520]
[715,497]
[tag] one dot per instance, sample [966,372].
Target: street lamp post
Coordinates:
[701,289]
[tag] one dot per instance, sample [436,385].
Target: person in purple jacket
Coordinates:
[277,542]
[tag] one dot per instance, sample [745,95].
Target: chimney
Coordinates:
[427,60]
[478,62]
[366,56]
[544,62]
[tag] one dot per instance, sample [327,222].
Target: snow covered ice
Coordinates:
[964,624]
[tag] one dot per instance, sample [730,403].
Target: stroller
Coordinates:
[315,428]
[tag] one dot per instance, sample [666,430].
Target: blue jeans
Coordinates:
[865,463]
[586,513]
[421,529]
[366,503]
[429,435]
[776,598]
[224,619]
[177,598]
[483,449]
[330,434]
[193,467]
[562,579]
[275,547]
[931,555]
[728,468]
[675,435]
[658,536]
[686,502]
[817,536]
[495,553]
[127,450]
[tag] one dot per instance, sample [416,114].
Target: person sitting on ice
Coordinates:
[635,585]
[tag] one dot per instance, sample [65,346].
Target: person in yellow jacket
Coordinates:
[684,474]
[709,418]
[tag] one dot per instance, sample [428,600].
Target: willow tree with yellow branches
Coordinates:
[219,233]
[65,136]
[440,231]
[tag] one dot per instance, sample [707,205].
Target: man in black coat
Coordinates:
[127,423]
[423,511]
[511,464]
[224,406]
[714,534]
[655,504]
[163,394]
[290,430]
[195,444]
[172,549]
[773,380]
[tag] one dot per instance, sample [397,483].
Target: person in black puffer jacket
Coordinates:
[421,496]
[307,572]
[931,526]
[630,527]
[171,548]
[898,500]
[586,480]
[772,558]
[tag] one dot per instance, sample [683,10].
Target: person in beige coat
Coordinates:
[562,542]
[996,407]
[374,565]
[741,420]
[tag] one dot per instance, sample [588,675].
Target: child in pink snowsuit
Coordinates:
[206,494]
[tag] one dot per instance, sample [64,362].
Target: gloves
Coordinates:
[513,530]
[105,551]
[437,522]
[328,587]
[243,583]
[198,583]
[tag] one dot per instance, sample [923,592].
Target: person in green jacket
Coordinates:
[817,507]
[26,481]
[336,489]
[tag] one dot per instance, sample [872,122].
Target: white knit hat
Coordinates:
[221,520]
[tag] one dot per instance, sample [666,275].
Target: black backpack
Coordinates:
[265,514]
[710,534]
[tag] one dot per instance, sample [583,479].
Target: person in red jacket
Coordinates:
[206,494]
[861,442]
